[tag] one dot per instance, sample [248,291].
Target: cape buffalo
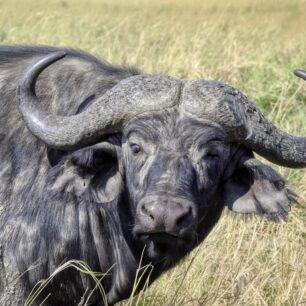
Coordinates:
[112,166]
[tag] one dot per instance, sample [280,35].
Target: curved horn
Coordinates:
[130,97]
[300,73]
[243,122]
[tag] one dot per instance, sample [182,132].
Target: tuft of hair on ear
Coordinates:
[292,196]
[83,158]
[242,217]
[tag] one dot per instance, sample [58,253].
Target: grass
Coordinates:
[253,45]
[78,265]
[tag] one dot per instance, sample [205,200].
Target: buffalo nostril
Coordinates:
[146,212]
[185,220]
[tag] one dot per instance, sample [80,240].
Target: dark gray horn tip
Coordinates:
[46,61]
[300,73]
[55,56]
[31,73]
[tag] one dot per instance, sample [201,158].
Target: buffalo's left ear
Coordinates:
[95,172]
[257,188]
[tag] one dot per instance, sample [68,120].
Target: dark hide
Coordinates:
[151,193]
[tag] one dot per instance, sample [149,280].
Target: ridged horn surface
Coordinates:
[243,121]
[130,97]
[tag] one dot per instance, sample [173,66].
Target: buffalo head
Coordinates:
[179,149]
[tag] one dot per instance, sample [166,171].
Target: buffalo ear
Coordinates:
[257,188]
[93,173]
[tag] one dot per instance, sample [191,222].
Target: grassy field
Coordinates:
[253,45]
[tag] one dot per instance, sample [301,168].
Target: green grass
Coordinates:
[253,45]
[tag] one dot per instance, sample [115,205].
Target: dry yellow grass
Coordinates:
[253,45]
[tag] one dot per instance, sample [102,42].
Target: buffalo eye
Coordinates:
[135,148]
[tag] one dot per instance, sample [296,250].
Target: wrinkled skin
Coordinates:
[158,186]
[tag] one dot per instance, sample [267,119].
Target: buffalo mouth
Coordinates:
[161,246]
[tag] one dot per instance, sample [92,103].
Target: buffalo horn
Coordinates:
[243,122]
[130,97]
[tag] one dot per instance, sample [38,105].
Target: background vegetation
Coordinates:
[253,45]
